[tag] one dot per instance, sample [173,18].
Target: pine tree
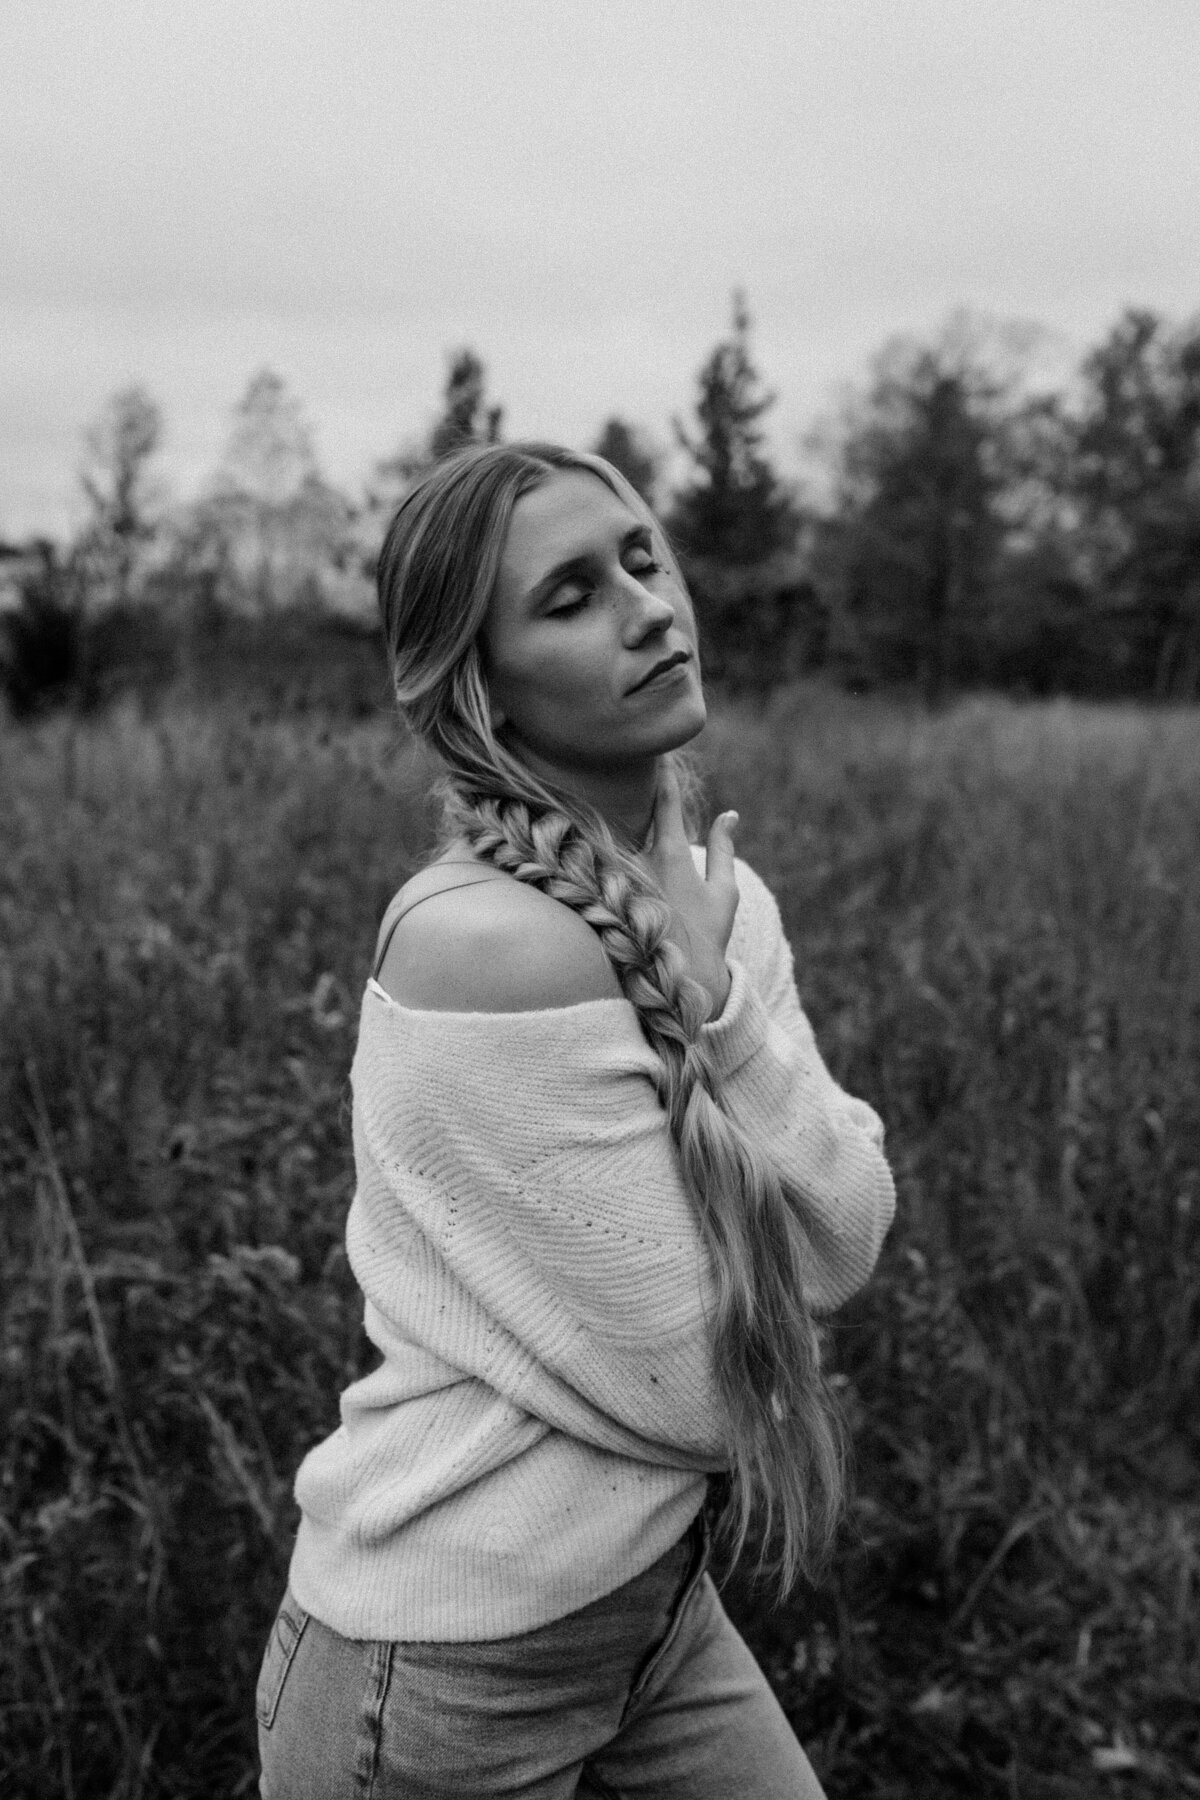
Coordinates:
[466,416]
[628,450]
[735,510]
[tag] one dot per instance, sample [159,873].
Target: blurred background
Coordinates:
[892,309]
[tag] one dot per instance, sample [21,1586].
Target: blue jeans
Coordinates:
[649,1691]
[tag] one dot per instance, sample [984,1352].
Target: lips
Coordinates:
[660,668]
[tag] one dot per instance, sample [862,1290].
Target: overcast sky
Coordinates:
[345,191]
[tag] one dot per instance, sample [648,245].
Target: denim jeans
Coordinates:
[649,1691]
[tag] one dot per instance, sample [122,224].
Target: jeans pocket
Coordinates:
[282,1645]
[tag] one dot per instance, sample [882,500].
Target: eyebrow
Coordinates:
[638,537]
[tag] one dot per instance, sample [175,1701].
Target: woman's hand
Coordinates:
[702,907]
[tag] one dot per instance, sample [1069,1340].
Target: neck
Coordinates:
[624,797]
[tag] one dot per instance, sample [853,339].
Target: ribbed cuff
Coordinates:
[739,1032]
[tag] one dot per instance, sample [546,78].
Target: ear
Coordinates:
[498,717]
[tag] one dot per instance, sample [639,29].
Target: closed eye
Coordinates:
[572,603]
[573,595]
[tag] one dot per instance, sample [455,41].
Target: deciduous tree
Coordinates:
[269,455]
[1136,479]
[123,498]
[930,478]
[272,530]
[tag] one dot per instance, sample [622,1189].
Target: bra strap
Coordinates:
[432,895]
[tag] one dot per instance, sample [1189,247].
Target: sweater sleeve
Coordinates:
[826,1144]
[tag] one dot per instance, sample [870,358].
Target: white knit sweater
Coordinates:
[540,1428]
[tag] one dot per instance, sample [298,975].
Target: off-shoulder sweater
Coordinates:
[544,1417]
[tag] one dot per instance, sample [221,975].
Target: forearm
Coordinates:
[825,1145]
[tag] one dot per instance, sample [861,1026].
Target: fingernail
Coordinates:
[731,821]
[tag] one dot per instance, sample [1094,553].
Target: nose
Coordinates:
[647,614]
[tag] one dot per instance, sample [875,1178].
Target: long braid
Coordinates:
[437,574]
[787,1455]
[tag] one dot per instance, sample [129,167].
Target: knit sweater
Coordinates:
[545,1415]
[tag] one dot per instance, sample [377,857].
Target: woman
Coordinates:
[604,1183]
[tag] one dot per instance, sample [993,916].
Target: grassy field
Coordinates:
[996,916]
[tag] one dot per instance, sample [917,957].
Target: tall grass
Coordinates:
[995,914]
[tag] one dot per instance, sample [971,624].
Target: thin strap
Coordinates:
[409,905]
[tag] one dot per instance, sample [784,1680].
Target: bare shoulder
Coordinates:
[494,945]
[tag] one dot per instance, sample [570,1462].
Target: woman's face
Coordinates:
[590,643]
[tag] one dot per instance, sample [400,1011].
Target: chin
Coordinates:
[684,722]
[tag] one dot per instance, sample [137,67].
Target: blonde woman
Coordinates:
[604,1185]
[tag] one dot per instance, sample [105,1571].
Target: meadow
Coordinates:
[996,917]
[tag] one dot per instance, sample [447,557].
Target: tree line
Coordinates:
[962,527]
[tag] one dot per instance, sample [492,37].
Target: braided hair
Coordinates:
[436,573]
